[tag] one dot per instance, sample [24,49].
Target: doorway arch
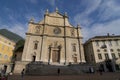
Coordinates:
[34,57]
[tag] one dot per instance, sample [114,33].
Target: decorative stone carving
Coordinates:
[72,32]
[37,29]
[55,43]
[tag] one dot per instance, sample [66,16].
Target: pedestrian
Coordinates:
[91,69]
[100,70]
[58,71]
[22,74]
[4,78]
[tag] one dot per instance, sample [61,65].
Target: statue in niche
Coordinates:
[37,29]
[72,32]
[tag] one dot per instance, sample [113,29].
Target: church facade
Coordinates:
[54,41]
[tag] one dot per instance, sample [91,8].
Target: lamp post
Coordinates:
[110,56]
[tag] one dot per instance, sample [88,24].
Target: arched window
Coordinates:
[35,44]
[117,43]
[110,43]
[74,47]
[97,43]
[99,56]
[33,58]
[114,56]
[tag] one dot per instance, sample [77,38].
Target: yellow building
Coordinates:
[8,41]
[6,49]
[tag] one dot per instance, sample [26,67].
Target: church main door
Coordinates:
[55,56]
[75,59]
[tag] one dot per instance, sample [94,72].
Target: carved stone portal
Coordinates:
[54,52]
[37,30]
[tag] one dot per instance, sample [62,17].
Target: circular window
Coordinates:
[57,30]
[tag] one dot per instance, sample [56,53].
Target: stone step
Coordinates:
[96,76]
[53,70]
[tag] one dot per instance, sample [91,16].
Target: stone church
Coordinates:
[53,41]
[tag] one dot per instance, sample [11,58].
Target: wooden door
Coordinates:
[33,58]
[75,59]
[55,56]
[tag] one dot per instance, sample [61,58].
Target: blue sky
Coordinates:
[96,17]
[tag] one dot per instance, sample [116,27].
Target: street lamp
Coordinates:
[110,56]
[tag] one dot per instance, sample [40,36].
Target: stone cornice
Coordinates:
[60,26]
[106,39]
[54,36]
[55,25]
[101,39]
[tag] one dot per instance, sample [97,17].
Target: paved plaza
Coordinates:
[87,76]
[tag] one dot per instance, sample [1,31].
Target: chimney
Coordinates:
[108,34]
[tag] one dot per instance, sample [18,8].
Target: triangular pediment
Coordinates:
[56,14]
[56,18]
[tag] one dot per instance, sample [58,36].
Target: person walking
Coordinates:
[58,71]
[22,74]
[100,70]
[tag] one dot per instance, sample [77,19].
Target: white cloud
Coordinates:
[17,28]
[37,16]
[112,27]
[108,13]
[14,26]
[92,6]
[98,29]
[108,10]
[83,18]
